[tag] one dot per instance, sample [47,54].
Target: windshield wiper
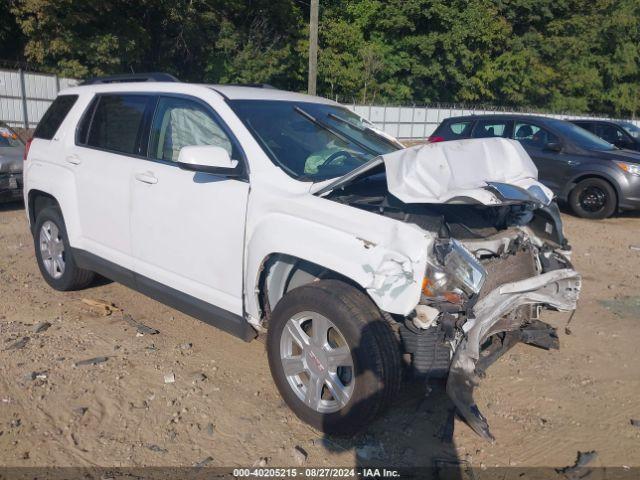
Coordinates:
[366,130]
[345,138]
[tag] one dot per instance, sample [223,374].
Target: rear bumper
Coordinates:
[558,289]
[10,186]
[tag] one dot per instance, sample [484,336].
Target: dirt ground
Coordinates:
[223,408]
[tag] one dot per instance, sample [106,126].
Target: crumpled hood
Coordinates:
[11,159]
[461,171]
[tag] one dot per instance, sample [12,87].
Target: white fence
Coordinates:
[24,97]
[413,123]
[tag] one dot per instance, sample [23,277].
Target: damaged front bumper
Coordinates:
[557,289]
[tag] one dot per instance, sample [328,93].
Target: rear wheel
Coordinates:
[593,198]
[333,357]
[55,259]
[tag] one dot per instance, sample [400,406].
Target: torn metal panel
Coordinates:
[557,289]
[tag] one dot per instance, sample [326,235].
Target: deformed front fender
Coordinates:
[384,256]
[557,289]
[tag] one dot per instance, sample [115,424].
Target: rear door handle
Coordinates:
[73,159]
[147,177]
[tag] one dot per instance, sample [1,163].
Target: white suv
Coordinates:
[259,210]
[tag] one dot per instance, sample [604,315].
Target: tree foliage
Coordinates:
[579,55]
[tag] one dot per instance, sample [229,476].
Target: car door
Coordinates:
[545,149]
[106,150]
[188,228]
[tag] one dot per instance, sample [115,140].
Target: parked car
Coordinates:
[621,134]
[260,210]
[594,177]
[11,152]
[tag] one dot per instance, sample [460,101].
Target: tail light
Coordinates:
[26,149]
[435,139]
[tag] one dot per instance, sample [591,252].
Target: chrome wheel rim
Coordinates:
[317,362]
[52,249]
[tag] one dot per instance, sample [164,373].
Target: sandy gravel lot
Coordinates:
[224,410]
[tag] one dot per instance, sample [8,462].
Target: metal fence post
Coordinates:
[23,95]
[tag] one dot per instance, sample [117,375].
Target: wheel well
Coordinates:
[600,177]
[38,201]
[281,273]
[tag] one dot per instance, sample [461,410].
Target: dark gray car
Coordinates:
[621,134]
[11,153]
[593,176]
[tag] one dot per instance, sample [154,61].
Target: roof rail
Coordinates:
[132,77]
[252,85]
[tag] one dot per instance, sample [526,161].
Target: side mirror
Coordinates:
[553,147]
[208,159]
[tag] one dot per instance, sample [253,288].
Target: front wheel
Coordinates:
[593,198]
[333,357]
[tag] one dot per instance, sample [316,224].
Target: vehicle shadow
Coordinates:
[415,435]
[11,206]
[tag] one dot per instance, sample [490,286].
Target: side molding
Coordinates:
[206,312]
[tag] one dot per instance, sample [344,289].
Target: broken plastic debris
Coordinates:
[91,361]
[140,327]
[19,344]
[203,463]
[41,327]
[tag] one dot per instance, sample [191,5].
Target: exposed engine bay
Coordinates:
[493,269]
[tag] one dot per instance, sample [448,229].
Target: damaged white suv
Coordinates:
[259,210]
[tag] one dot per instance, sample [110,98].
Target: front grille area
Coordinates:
[509,268]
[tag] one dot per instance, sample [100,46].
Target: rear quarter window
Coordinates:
[454,130]
[54,116]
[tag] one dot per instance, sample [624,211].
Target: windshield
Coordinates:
[581,137]
[631,129]
[9,138]
[311,141]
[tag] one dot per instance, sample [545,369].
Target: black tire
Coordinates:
[73,277]
[377,369]
[593,198]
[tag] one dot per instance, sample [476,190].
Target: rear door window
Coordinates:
[117,122]
[532,135]
[492,128]
[54,116]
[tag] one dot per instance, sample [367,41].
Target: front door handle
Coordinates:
[146,177]
[73,159]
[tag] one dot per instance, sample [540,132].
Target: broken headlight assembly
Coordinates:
[455,275]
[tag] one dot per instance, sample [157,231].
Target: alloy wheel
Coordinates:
[317,362]
[52,249]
